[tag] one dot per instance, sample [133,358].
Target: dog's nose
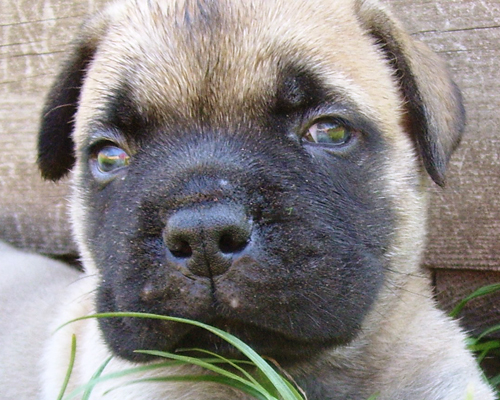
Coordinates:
[207,239]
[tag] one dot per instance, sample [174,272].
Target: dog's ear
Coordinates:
[56,148]
[435,115]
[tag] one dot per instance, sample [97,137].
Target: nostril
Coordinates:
[207,239]
[180,249]
[230,244]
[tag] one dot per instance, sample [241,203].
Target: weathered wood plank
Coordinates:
[465,218]
[33,37]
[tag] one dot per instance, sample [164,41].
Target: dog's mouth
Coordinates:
[134,334]
[266,342]
[287,317]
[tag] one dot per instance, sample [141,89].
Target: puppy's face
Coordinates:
[248,166]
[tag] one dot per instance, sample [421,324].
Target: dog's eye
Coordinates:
[111,158]
[328,132]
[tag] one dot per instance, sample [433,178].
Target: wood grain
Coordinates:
[34,35]
[464,221]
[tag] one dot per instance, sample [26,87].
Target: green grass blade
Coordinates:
[489,331]
[286,391]
[471,342]
[120,374]
[483,291]
[484,348]
[70,368]
[232,363]
[202,378]
[495,381]
[97,374]
[489,345]
[211,367]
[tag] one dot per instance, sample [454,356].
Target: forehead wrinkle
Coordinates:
[178,63]
[195,57]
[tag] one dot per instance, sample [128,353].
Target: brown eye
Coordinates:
[111,158]
[328,132]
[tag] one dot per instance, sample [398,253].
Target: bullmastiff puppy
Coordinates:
[261,166]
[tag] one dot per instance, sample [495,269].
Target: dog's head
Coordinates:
[259,166]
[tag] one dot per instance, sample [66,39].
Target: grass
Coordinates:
[482,346]
[266,384]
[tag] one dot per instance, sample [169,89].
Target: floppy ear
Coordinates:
[435,115]
[56,148]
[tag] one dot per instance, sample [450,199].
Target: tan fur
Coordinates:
[334,38]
